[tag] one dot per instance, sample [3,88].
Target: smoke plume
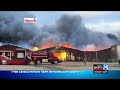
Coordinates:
[67,29]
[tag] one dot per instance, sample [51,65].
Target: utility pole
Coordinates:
[84,55]
[96,56]
[85,58]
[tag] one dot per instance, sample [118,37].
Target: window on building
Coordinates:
[0,53]
[8,54]
[20,55]
[12,54]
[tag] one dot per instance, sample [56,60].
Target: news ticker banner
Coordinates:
[58,74]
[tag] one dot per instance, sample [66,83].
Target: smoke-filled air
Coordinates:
[68,30]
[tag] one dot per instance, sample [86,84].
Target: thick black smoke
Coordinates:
[13,30]
[67,29]
[70,29]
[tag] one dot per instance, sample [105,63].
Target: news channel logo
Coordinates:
[100,68]
[105,66]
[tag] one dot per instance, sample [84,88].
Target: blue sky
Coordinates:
[103,21]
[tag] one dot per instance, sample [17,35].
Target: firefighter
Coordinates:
[27,59]
[85,61]
[29,56]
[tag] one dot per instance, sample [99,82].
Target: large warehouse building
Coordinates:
[70,54]
[65,54]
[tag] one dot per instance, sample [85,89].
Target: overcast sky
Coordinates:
[103,21]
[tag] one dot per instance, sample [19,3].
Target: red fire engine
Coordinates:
[44,57]
[37,57]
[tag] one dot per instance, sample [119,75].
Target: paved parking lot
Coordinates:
[60,66]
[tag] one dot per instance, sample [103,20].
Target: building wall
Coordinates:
[104,55]
[118,51]
[90,56]
[15,50]
[9,49]
[112,53]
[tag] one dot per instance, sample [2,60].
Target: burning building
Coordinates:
[89,44]
[71,54]
[66,54]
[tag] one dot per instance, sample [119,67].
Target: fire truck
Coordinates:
[36,57]
[44,57]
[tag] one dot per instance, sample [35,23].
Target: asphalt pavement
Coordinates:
[60,66]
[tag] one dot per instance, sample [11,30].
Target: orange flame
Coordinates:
[45,45]
[60,55]
[35,48]
[90,48]
[66,45]
[57,55]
